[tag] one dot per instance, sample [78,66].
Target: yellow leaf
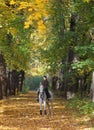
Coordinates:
[12,2]
[13,30]
[26,25]
[37,15]
[30,9]
[86,1]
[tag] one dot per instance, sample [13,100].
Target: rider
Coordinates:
[45,84]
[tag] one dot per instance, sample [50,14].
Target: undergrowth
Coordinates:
[80,106]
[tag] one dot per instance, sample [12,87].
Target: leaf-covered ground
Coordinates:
[22,113]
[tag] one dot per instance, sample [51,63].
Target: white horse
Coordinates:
[43,100]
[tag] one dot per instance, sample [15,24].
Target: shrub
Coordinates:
[25,89]
[82,106]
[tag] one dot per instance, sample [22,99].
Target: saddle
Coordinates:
[47,94]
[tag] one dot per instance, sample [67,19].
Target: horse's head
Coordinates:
[41,88]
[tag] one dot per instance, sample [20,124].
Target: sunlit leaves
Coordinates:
[35,13]
[41,26]
[14,40]
[49,21]
[13,31]
[85,51]
[86,1]
[12,2]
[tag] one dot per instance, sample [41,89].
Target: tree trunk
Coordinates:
[1,93]
[92,89]
[3,88]
[21,79]
[82,87]
[14,82]
[71,56]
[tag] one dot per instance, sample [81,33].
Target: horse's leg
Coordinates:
[45,108]
[52,107]
[40,107]
[48,107]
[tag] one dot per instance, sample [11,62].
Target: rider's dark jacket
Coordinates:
[45,84]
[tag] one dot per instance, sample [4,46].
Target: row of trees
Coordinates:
[74,31]
[18,21]
[69,45]
[56,33]
[11,81]
[14,49]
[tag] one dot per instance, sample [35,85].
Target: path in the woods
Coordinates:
[22,113]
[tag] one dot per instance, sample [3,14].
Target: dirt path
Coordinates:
[22,113]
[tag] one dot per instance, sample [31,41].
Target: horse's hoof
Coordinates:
[40,112]
[45,113]
[37,100]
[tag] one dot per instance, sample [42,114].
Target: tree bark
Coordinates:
[92,88]
[14,82]
[3,88]
[21,79]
